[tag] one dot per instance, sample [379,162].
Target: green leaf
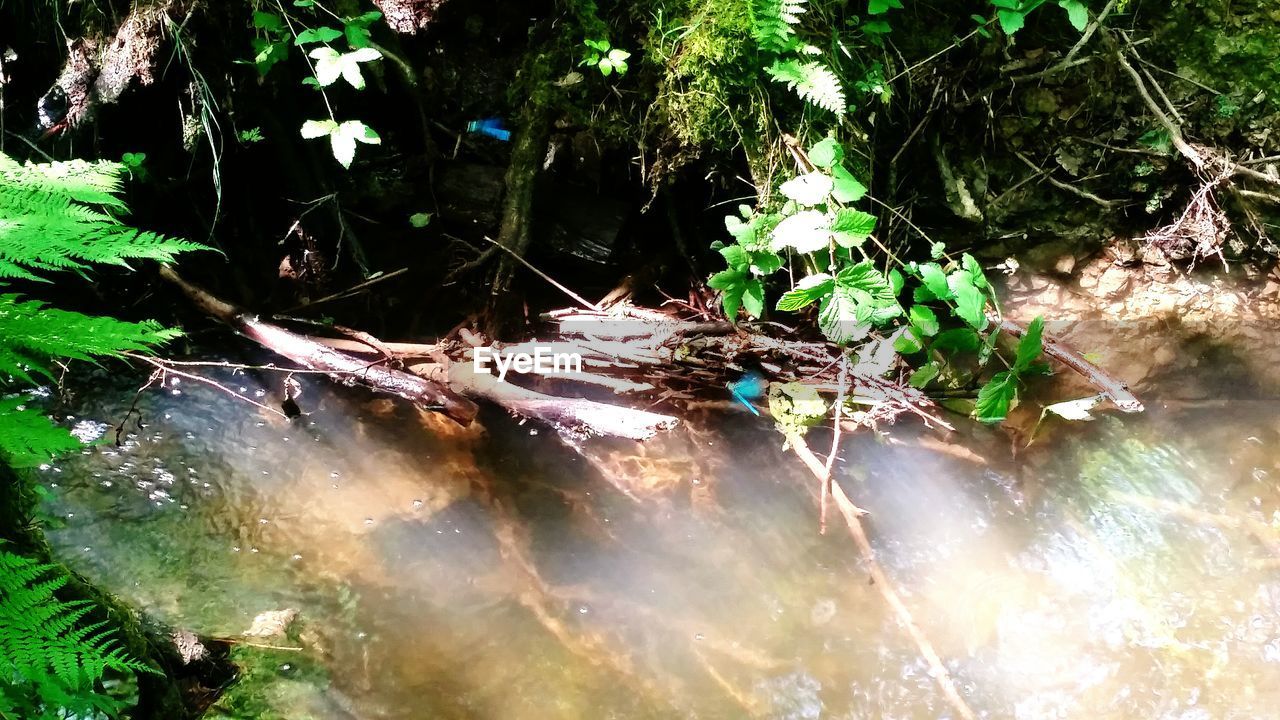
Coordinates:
[908,342]
[736,256]
[971,303]
[765,262]
[896,281]
[313,129]
[925,375]
[826,154]
[420,220]
[1030,346]
[870,290]
[995,398]
[267,21]
[956,340]
[753,298]
[845,187]
[971,266]
[806,231]
[879,7]
[807,291]
[1077,13]
[851,227]
[838,319]
[935,282]
[923,318]
[1011,21]
[726,279]
[317,35]
[809,189]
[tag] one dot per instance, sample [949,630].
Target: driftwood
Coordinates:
[315,356]
[448,387]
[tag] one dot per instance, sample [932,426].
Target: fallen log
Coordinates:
[314,356]
[446,386]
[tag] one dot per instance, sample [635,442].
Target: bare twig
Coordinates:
[1066,186]
[577,298]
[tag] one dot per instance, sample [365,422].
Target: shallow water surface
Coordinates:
[1124,568]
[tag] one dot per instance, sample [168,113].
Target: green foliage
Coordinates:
[52,660]
[280,31]
[812,225]
[600,55]
[1012,14]
[811,81]
[59,216]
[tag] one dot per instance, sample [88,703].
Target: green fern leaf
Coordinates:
[812,81]
[51,661]
[772,23]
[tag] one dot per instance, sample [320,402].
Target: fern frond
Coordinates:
[28,438]
[50,660]
[34,330]
[772,21]
[812,81]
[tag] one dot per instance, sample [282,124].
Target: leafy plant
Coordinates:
[814,225]
[58,217]
[52,660]
[773,24]
[599,54]
[279,31]
[1012,14]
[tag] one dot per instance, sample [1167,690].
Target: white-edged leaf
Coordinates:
[809,189]
[313,129]
[806,231]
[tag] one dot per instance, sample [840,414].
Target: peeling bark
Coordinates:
[407,17]
[94,75]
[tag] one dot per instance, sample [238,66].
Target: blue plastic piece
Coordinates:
[750,386]
[491,127]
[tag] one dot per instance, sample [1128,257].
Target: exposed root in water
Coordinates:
[852,516]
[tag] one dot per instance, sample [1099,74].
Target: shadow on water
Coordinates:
[1121,570]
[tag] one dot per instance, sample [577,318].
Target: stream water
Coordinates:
[1114,569]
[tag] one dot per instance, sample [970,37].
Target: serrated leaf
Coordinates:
[1029,347]
[765,262]
[826,154]
[996,397]
[809,290]
[317,35]
[726,279]
[809,189]
[845,187]
[971,303]
[935,282]
[344,148]
[956,340]
[908,343]
[1011,21]
[1077,13]
[805,231]
[735,256]
[838,318]
[753,298]
[313,129]
[851,227]
[879,7]
[922,377]
[923,318]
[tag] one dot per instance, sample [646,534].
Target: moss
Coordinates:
[275,685]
